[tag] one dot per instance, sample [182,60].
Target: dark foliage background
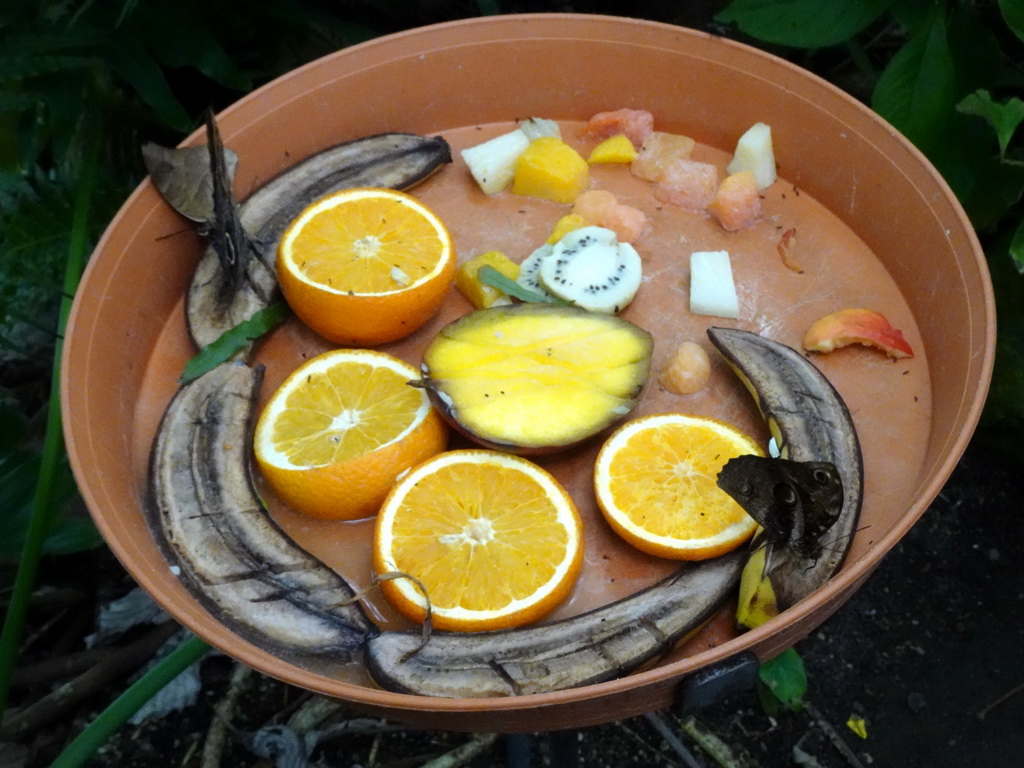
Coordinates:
[83,84]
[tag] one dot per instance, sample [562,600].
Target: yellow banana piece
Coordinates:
[756,603]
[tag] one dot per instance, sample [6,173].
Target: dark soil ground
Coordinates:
[928,653]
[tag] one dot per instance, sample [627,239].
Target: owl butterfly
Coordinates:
[795,502]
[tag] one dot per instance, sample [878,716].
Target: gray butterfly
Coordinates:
[796,502]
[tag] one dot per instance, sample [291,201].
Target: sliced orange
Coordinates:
[655,483]
[335,435]
[494,540]
[366,266]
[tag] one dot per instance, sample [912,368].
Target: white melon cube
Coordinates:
[493,163]
[754,153]
[536,127]
[712,291]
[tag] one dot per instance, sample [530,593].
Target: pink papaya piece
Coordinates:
[635,124]
[688,184]
[856,326]
[601,208]
[737,202]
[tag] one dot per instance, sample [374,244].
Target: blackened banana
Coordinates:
[217,300]
[810,423]
[208,520]
[395,160]
[599,645]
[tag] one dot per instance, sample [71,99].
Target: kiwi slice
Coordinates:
[591,269]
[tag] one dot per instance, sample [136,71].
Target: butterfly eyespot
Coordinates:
[785,494]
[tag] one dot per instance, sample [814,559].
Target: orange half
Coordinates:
[493,539]
[655,480]
[366,266]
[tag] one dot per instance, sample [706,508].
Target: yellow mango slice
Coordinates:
[565,225]
[615,149]
[551,170]
[467,279]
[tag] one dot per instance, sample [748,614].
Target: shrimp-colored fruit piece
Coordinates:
[737,203]
[688,184]
[856,326]
[688,372]
[635,124]
[603,209]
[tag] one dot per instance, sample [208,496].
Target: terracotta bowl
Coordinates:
[876,227]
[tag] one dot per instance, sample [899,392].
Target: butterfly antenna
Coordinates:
[830,545]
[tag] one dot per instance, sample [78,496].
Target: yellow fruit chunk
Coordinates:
[482,296]
[335,435]
[494,540]
[565,225]
[756,603]
[551,170]
[655,480]
[532,378]
[366,266]
[617,149]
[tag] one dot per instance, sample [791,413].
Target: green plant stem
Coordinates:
[53,441]
[128,703]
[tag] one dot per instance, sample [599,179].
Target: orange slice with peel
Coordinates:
[366,266]
[334,436]
[655,480]
[493,539]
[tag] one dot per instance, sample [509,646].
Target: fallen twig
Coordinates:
[715,748]
[109,668]
[463,753]
[129,702]
[999,700]
[655,752]
[655,719]
[833,735]
[314,711]
[223,713]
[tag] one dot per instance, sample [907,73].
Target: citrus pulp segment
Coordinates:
[335,435]
[655,482]
[366,266]
[494,540]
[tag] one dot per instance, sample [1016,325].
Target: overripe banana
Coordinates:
[810,530]
[599,645]
[396,160]
[210,523]
[217,299]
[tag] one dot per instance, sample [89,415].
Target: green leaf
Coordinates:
[72,531]
[180,38]
[1017,250]
[27,66]
[803,23]
[1013,15]
[132,63]
[785,679]
[233,341]
[1003,416]
[916,91]
[488,275]
[1004,118]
